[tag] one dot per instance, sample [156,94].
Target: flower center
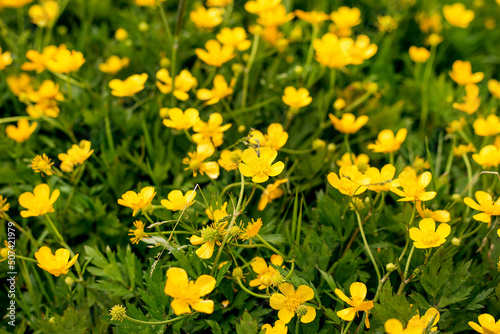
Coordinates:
[293,301]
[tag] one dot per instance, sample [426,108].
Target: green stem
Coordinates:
[25,258]
[291,271]
[59,236]
[289,151]
[72,193]
[310,52]
[347,327]
[156,322]
[168,232]
[269,246]
[244,288]
[469,174]
[248,67]
[348,147]
[14,119]
[297,326]
[367,247]
[164,22]
[358,101]
[425,88]
[109,135]
[408,237]
[391,158]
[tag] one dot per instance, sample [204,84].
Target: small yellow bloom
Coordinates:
[22,132]
[258,164]
[47,108]
[487,127]
[20,84]
[218,214]
[275,138]
[487,324]
[416,325]
[489,156]
[386,141]
[380,180]
[215,54]
[260,267]
[292,302]
[129,86]
[114,64]
[271,193]
[236,38]
[457,15]
[345,18]
[221,90]
[218,3]
[183,83]
[441,216]
[348,123]
[229,160]
[463,149]
[13,3]
[196,161]
[361,50]
[433,39]
[65,61]
[419,55]
[471,100]
[357,302]
[187,293]
[413,186]
[485,204]
[48,90]
[4,252]
[4,206]
[429,23]
[462,73]
[165,82]
[339,104]
[386,23]
[39,202]
[274,17]
[41,164]
[138,233]
[259,6]
[332,51]
[494,88]
[137,201]
[426,235]
[420,164]
[177,201]
[360,161]
[5,59]
[456,125]
[251,230]
[278,328]
[312,17]
[121,34]
[296,98]
[44,14]
[149,3]
[56,264]
[204,18]
[180,120]
[211,131]
[350,181]
[76,155]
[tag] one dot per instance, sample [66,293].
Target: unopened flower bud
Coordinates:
[237,68]
[62,30]
[143,26]
[265,280]
[164,62]
[455,197]
[128,42]
[456,242]
[339,104]
[164,112]
[318,144]
[371,87]
[298,69]
[69,281]
[117,312]
[390,267]
[245,57]
[242,128]
[331,147]
[237,272]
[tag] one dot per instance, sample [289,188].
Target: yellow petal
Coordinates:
[206,284]
[204,306]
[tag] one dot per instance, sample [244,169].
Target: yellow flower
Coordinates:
[413,186]
[252,230]
[419,164]
[312,17]
[429,23]
[213,130]
[274,17]
[19,84]
[463,149]
[339,104]
[48,90]
[4,206]
[215,54]
[494,88]
[487,324]
[419,55]
[348,123]
[177,201]
[114,64]
[56,264]
[13,3]
[489,156]
[345,18]
[118,312]
[380,180]
[183,83]
[138,233]
[258,6]
[362,50]
[386,23]
[149,3]
[271,193]
[426,235]
[39,60]
[441,216]
[65,61]
[44,14]
[357,302]
[217,214]
[236,38]
[204,18]
[76,155]
[351,181]
[487,127]
[5,59]
[361,161]
[4,252]
[416,325]
[196,160]
[164,82]
[278,328]
[333,51]
[221,90]
[129,86]
[275,138]
[258,164]
[180,120]
[187,293]
[433,39]
[263,271]
[471,100]
[457,15]
[121,34]
[218,3]
[137,201]
[386,142]
[23,130]
[296,98]
[39,202]
[456,125]
[47,108]
[485,204]
[229,160]
[462,73]
[292,302]
[41,164]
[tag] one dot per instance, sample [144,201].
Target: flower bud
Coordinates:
[456,242]
[298,70]
[128,42]
[242,128]
[121,34]
[265,280]
[237,68]
[117,312]
[455,197]
[164,112]
[339,104]
[69,281]
[62,30]
[143,26]
[318,144]
[237,272]
[331,147]
[164,62]
[371,87]
[390,267]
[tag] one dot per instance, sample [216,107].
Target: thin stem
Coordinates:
[14,119]
[425,88]
[269,246]
[155,322]
[25,258]
[297,326]
[358,101]
[59,236]
[255,46]
[310,52]
[367,247]
[164,22]
[348,147]
[347,327]
[244,288]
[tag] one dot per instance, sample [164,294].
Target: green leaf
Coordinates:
[329,279]
[392,306]
[247,324]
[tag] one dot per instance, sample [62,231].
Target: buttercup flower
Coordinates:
[38,61]
[275,138]
[429,23]
[441,216]
[489,156]
[357,302]
[413,186]
[4,206]
[215,54]
[121,34]
[386,142]
[312,17]
[271,193]
[187,293]
[278,328]
[464,149]
[360,161]
[258,164]
[296,98]
[236,38]
[380,180]
[180,120]
[23,130]
[457,15]
[56,264]
[462,73]
[420,164]
[137,201]
[485,204]
[177,201]
[138,233]
[362,49]
[129,86]
[263,271]
[41,164]
[348,123]
[350,181]
[292,302]
[426,235]
[487,127]
[221,90]
[419,55]
[345,18]
[150,3]
[416,325]
[183,83]
[229,160]
[211,131]
[494,88]
[39,202]
[114,64]
[42,15]
[259,6]
[14,3]
[205,18]
[76,155]
[471,100]
[4,251]
[218,3]
[487,324]
[196,161]
[333,51]
[456,125]
[65,61]
[165,82]
[386,23]
[5,59]
[20,84]
[251,230]
[274,17]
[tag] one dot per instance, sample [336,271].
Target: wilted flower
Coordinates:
[56,264]
[348,123]
[258,164]
[177,201]
[138,201]
[462,73]
[357,302]
[457,15]
[129,86]
[23,130]
[292,302]
[386,141]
